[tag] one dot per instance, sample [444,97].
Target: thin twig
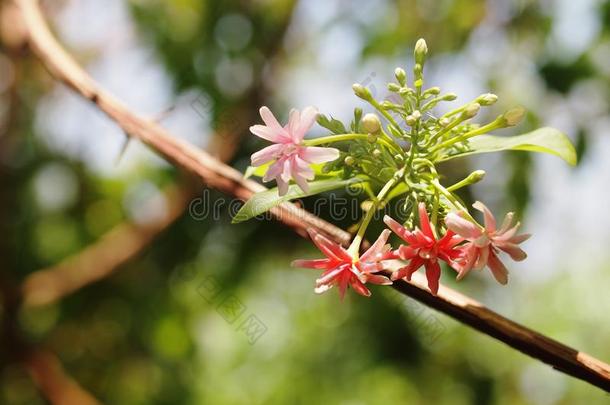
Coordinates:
[226,179]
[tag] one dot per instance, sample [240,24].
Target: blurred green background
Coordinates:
[159,330]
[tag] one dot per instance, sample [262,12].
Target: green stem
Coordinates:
[479,131]
[349,137]
[354,248]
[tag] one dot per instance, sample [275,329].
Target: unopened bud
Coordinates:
[421,50]
[443,122]
[476,176]
[386,105]
[371,123]
[362,91]
[432,91]
[377,153]
[487,99]
[449,97]
[371,138]
[349,160]
[471,110]
[401,76]
[405,91]
[513,116]
[393,87]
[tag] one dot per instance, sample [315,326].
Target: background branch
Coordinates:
[228,180]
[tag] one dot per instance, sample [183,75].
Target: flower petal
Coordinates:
[376,247]
[497,268]
[294,121]
[359,287]
[433,274]
[490,221]
[270,120]
[462,226]
[266,154]
[424,221]
[308,118]
[282,186]
[317,264]
[317,154]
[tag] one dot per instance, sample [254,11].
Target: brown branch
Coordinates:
[50,378]
[102,258]
[226,179]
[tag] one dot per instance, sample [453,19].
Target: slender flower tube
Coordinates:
[343,270]
[291,158]
[424,249]
[484,244]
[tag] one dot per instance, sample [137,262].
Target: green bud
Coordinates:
[432,91]
[401,76]
[386,105]
[349,160]
[450,97]
[443,122]
[421,50]
[416,114]
[413,118]
[471,110]
[371,138]
[475,176]
[513,116]
[362,92]
[371,123]
[357,114]
[393,87]
[487,99]
[405,91]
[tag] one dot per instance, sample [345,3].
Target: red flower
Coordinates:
[341,269]
[423,249]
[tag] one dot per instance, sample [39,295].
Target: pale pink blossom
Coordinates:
[291,158]
[484,244]
[342,270]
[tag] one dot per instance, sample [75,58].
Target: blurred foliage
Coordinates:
[147,334]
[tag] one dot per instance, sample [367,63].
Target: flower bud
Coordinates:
[421,50]
[401,76]
[475,176]
[405,91]
[377,153]
[513,116]
[432,91]
[471,110]
[349,160]
[371,138]
[386,105]
[393,87]
[487,99]
[371,123]
[449,97]
[443,122]
[362,92]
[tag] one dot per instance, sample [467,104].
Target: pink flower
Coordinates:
[423,249]
[342,270]
[292,158]
[484,243]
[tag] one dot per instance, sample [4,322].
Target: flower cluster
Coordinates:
[392,154]
[464,246]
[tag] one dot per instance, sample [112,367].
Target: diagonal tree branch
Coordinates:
[226,179]
[102,258]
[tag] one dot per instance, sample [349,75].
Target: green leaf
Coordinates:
[333,125]
[545,140]
[264,201]
[261,170]
[258,171]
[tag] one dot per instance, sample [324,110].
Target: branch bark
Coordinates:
[226,179]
